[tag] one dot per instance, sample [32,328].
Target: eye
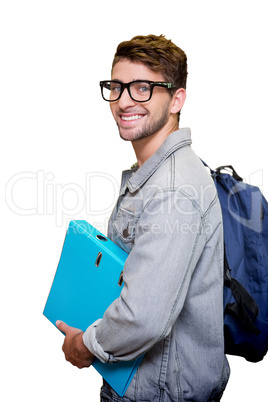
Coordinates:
[142,87]
[115,87]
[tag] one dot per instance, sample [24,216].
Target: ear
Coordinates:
[178,100]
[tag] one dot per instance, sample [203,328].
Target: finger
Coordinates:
[62,326]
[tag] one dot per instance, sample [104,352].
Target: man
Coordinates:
[168,219]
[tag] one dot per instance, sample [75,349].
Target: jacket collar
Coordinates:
[174,141]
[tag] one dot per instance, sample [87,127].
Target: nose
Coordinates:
[125,100]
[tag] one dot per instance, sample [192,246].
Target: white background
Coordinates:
[61,156]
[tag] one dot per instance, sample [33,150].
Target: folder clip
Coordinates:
[120,279]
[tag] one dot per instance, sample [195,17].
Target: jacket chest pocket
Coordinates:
[124,226]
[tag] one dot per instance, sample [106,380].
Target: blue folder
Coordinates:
[88,279]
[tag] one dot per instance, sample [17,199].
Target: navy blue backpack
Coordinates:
[245,224]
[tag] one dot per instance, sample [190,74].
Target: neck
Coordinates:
[147,146]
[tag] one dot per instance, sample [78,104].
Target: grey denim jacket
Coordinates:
[168,219]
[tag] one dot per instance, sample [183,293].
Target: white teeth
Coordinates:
[134,117]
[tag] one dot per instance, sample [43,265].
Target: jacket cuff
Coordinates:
[90,341]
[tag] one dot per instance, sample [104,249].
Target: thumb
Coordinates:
[62,326]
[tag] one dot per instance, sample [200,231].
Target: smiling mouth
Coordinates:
[132,117]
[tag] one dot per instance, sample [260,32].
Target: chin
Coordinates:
[127,135]
[134,135]
[125,138]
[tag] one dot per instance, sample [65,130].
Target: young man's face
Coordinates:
[139,120]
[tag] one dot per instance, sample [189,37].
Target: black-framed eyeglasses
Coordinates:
[139,90]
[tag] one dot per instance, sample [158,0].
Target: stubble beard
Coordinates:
[149,128]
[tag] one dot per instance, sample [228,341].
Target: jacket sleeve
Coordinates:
[169,240]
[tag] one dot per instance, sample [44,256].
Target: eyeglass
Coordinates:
[139,90]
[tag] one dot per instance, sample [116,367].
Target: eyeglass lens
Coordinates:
[140,91]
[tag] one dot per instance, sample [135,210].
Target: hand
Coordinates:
[73,347]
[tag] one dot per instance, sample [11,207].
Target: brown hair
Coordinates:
[157,53]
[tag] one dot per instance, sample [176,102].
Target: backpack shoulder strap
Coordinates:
[245,308]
